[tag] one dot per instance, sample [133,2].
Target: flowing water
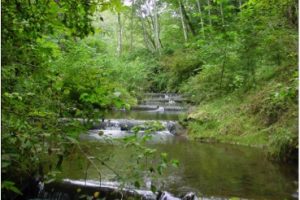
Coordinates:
[213,171]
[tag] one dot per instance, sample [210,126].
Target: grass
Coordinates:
[223,121]
[257,118]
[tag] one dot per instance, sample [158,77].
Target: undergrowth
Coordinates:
[265,116]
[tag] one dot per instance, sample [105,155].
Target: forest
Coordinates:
[222,74]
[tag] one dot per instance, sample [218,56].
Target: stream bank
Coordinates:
[249,121]
[211,171]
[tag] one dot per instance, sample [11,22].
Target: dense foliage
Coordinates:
[78,59]
[48,74]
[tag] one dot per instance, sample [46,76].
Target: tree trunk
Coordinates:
[209,17]
[151,23]
[119,47]
[149,43]
[182,22]
[222,14]
[240,3]
[156,28]
[201,18]
[131,25]
[161,46]
[187,19]
[144,33]
[223,67]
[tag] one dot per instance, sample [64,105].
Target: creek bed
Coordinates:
[213,171]
[217,170]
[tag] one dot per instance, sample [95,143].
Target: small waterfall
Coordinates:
[160,102]
[121,128]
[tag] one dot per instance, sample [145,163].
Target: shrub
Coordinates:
[283,145]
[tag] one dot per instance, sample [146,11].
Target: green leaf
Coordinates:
[153,188]
[9,185]
[72,140]
[175,163]
[137,184]
[151,169]
[4,164]
[164,156]
[50,180]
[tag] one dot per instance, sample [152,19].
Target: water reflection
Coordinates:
[222,170]
[209,169]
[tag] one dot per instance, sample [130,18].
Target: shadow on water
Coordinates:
[225,170]
[209,169]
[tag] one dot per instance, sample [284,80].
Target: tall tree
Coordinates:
[222,13]
[131,24]
[119,46]
[184,29]
[187,19]
[209,14]
[156,27]
[148,41]
[201,17]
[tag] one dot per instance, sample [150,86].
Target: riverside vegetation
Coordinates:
[235,61]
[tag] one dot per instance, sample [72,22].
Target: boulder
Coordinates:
[190,196]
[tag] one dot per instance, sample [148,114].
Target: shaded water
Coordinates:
[209,169]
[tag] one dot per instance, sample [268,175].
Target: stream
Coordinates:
[211,171]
